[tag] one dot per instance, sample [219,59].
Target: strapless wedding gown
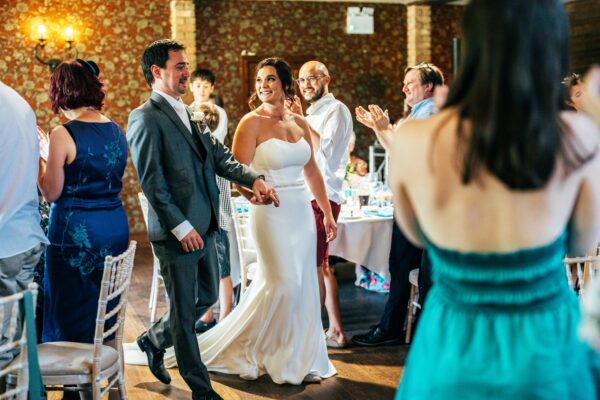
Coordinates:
[276,328]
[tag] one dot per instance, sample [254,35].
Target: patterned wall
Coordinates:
[446,23]
[584,16]
[112,33]
[364,68]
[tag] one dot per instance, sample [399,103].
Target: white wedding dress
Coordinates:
[276,328]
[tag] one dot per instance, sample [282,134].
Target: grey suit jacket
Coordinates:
[178,183]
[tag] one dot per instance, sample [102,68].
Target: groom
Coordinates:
[176,164]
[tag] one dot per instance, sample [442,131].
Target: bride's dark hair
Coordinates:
[284,73]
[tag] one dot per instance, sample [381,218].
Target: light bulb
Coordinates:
[69,34]
[41,32]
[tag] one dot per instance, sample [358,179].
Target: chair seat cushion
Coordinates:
[70,358]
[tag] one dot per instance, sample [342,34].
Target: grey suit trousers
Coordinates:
[188,277]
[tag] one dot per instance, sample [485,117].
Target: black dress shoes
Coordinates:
[212,395]
[377,337]
[202,326]
[155,359]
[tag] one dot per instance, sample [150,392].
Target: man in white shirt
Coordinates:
[21,237]
[331,124]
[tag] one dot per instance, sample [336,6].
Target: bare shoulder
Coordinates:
[584,129]
[249,121]
[249,125]
[59,133]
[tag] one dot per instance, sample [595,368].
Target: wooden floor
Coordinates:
[363,373]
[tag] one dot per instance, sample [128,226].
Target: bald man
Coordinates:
[331,124]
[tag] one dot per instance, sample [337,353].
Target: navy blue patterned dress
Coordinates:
[87,223]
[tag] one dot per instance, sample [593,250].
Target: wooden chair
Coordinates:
[85,365]
[156,276]
[17,322]
[245,244]
[413,303]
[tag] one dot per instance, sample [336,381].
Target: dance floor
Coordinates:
[363,373]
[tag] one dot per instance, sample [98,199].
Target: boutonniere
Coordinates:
[197,117]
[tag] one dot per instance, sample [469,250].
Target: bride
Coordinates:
[276,328]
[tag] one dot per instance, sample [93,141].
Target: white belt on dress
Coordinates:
[287,185]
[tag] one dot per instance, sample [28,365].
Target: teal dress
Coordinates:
[499,326]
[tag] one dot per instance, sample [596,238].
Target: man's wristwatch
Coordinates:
[261,177]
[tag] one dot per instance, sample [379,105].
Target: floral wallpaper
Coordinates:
[446,23]
[112,33]
[584,17]
[364,68]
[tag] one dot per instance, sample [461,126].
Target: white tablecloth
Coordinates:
[365,241]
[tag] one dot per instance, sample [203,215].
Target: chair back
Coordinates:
[144,206]
[156,276]
[17,318]
[112,304]
[245,243]
[580,270]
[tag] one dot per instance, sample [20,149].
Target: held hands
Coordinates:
[330,227]
[192,242]
[44,139]
[263,194]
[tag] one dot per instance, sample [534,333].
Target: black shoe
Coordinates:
[212,395]
[70,396]
[202,326]
[377,337]
[155,359]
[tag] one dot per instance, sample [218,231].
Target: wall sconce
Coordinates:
[70,50]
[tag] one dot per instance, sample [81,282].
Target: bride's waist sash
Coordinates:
[299,184]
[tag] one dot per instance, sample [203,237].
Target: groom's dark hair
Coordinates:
[157,53]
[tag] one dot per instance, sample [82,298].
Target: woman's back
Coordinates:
[485,214]
[500,321]
[98,167]
[87,223]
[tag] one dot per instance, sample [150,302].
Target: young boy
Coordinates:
[202,85]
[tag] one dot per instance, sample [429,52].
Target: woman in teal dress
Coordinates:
[82,179]
[499,186]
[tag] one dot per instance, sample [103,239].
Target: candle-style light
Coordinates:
[70,50]
[41,32]
[69,36]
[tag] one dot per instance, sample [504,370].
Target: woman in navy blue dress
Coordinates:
[82,177]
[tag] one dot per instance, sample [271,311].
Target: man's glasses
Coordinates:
[310,79]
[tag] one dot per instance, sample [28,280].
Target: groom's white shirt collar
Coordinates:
[179,108]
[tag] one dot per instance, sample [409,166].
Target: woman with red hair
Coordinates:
[82,179]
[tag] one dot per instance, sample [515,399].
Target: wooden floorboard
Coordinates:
[363,373]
